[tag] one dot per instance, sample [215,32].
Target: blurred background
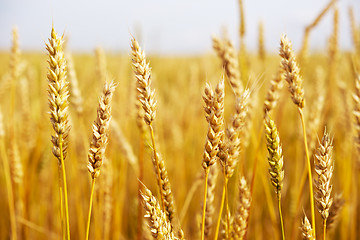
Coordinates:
[166,26]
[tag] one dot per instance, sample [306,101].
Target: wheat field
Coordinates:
[229,145]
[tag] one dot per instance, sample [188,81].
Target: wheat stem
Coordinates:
[204,207]
[65,187]
[220,213]
[10,194]
[309,172]
[281,218]
[141,176]
[324,230]
[226,205]
[90,207]
[63,230]
[157,167]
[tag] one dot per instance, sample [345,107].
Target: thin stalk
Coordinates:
[65,187]
[63,230]
[281,218]
[298,201]
[269,200]
[309,172]
[90,207]
[324,230]
[157,167]
[189,197]
[141,176]
[9,190]
[257,144]
[220,213]
[204,207]
[226,206]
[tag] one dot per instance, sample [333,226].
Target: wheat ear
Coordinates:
[242,211]
[324,170]
[307,231]
[226,52]
[76,98]
[273,94]
[276,162]
[334,211]
[96,154]
[58,95]
[159,225]
[291,72]
[214,112]
[356,113]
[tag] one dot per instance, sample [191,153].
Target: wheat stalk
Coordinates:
[210,200]
[100,64]
[318,103]
[7,174]
[354,30]
[229,149]
[305,44]
[261,47]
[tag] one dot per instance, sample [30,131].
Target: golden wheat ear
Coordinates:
[242,211]
[58,95]
[324,168]
[100,128]
[159,225]
[306,229]
[291,72]
[96,154]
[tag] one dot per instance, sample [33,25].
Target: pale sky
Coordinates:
[167,26]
